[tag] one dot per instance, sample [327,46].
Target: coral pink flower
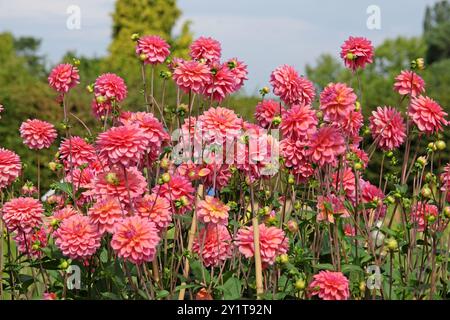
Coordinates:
[387,127]
[290,87]
[445,181]
[60,215]
[299,122]
[352,123]
[63,77]
[239,71]
[49,296]
[192,171]
[219,175]
[154,48]
[37,134]
[105,213]
[192,76]
[361,154]
[330,206]
[345,180]
[219,124]
[326,145]
[111,87]
[205,48]
[329,285]
[213,245]
[178,191]
[427,114]
[10,167]
[371,194]
[212,210]
[273,242]
[135,239]
[77,151]
[156,208]
[337,101]
[22,214]
[101,109]
[32,243]
[296,158]
[357,52]
[409,82]
[123,145]
[349,230]
[113,184]
[222,83]
[420,213]
[266,110]
[77,238]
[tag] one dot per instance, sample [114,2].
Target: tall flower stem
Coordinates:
[258,263]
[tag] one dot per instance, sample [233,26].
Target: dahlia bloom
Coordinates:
[420,213]
[427,114]
[32,243]
[290,87]
[63,77]
[37,134]
[156,208]
[329,285]
[192,76]
[213,245]
[299,122]
[10,167]
[111,87]
[77,151]
[266,111]
[135,239]
[222,83]
[337,101]
[326,145]
[60,215]
[178,191]
[445,181]
[219,176]
[409,82]
[22,214]
[112,183]
[239,71]
[371,194]
[357,52]
[154,48]
[349,230]
[105,213]
[101,109]
[192,171]
[219,124]
[296,158]
[351,125]
[77,238]
[345,180]
[205,48]
[387,127]
[123,145]
[273,242]
[212,210]
[330,206]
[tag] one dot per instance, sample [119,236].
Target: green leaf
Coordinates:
[345,268]
[324,266]
[162,294]
[199,271]
[231,289]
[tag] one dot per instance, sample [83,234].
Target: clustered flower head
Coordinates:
[409,83]
[299,122]
[152,49]
[192,76]
[10,167]
[63,77]
[110,87]
[37,134]
[22,214]
[266,111]
[205,48]
[212,210]
[156,208]
[213,245]
[326,145]
[357,52]
[337,101]
[179,191]
[76,151]
[329,285]
[387,127]
[105,213]
[427,114]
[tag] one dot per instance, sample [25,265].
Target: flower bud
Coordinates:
[100,99]
[392,244]
[390,200]
[143,57]
[358,166]
[432,146]
[165,177]
[431,218]
[64,264]
[182,109]
[112,178]
[440,145]
[291,179]
[135,37]
[276,120]
[357,106]
[300,284]
[350,56]
[426,192]
[389,154]
[52,166]
[292,226]
[264,91]
[447,212]
[422,161]
[284,258]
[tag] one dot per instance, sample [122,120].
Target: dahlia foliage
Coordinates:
[197,202]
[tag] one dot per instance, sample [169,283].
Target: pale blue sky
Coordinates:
[263,33]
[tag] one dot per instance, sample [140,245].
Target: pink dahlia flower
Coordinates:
[266,111]
[111,87]
[205,48]
[156,208]
[77,151]
[32,243]
[10,167]
[357,52]
[192,76]
[178,191]
[345,180]
[326,145]
[296,158]
[220,124]
[101,109]
[77,238]
[37,134]
[239,71]
[337,101]
[212,210]
[22,214]
[154,48]
[352,124]
[387,127]
[59,215]
[330,206]
[371,194]
[273,242]
[219,176]
[125,145]
[105,213]
[213,245]
[409,83]
[222,83]
[63,77]
[112,183]
[299,122]
[135,239]
[290,87]
[420,213]
[427,114]
[329,285]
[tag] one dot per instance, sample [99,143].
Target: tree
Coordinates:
[437,31]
